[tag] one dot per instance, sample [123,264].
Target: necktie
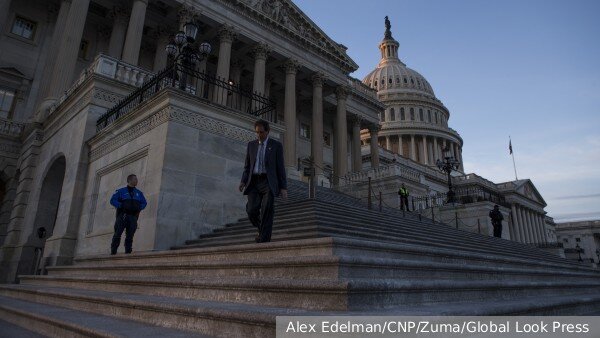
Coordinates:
[261,157]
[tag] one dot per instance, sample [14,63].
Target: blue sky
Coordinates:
[528,69]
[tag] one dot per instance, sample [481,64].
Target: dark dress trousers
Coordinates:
[261,189]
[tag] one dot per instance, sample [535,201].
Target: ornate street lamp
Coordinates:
[182,49]
[447,166]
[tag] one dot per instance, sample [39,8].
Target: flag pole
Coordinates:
[513,157]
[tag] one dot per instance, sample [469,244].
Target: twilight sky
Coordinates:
[528,69]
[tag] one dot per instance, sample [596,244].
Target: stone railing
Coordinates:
[111,68]
[11,128]
[392,170]
[474,179]
[360,87]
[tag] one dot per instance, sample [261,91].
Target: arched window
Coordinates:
[436,117]
[421,114]
[390,80]
[392,114]
[397,80]
[402,117]
[428,115]
[412,114]
[405,80]
[382,81]
[412,81]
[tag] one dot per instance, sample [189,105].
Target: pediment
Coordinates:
[286,18]
[528,189]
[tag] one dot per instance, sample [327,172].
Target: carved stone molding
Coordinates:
[318,79]
[341,92]
[261,51]
[174,114]
[227,33]
[291,66]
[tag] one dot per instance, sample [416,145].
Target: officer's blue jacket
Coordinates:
[122,199]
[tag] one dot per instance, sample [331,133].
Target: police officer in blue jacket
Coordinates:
[129,201]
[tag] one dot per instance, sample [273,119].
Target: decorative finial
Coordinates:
[388,26]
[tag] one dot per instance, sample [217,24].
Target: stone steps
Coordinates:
[326,295]
[405,228]
[319,267]
[54,321]
[303,229]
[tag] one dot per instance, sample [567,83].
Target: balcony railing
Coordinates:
[11,128]
[203,86]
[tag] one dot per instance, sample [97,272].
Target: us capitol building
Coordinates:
[84,102]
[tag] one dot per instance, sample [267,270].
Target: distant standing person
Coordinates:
[129,201]
[497,219]
[403,192]
[263,179]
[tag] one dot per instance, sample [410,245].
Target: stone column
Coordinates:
[4,10]
[543,223]
[260,52]
[413,151]
[289,115]
[388,144]
[356,152]
[529,225]
[57,36]
[62,74]
[162,40]
[135,29]
[425,150]
[317,123]
[374,130]
[523,225]
[515,224]
[341,133]
[541,228]
[400,145]
[226,37]
[436,150]
[119,30]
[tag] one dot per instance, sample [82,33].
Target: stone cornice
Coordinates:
[288,21]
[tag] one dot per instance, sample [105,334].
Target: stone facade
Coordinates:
[580,239]
[69,63]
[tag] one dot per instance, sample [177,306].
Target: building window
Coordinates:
[7,100]
[83,49]
[428,115]
[392,114]
[578,240]
[436,118]
[305,131]
[382,81]
[412,114]
[405,80]
[402,117]
[327,139]
[412,81]
[421,114]
[390,80]
[23,28]
[397,80]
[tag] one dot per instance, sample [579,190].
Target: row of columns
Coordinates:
[529,225]
[429,149]
[125,42]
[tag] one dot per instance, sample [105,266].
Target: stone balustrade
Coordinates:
[112,68]
[391,170]
[11,128]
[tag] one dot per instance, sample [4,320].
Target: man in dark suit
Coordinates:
[263,179]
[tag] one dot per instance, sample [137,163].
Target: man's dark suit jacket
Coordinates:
[273,164]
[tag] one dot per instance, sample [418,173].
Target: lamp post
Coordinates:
[447,166]
[182,49]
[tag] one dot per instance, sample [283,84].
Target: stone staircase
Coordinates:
[328,256]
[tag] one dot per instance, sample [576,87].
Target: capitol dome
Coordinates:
[391,73]
[414,123]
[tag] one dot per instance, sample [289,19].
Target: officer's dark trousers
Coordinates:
[497,230]
[404,203]
[127,223]
[260,207]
